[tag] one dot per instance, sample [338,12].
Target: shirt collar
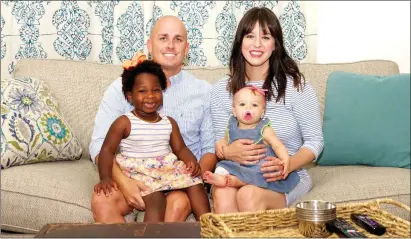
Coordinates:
[176,79]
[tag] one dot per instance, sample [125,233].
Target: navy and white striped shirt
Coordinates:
[297,123]
[187,101]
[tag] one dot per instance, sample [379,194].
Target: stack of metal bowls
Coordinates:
[312,217]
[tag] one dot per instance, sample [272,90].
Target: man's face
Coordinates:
[168,43]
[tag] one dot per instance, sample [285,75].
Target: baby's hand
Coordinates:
[193,167]
[286,166]
[105,185]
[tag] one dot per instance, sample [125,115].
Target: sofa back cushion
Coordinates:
[79,85]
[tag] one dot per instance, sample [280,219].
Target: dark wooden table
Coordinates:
[173,230]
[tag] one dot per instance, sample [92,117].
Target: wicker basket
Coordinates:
[283,222]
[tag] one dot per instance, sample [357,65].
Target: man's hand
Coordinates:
[219,147]
[244,151]
[131,189]
[106,186]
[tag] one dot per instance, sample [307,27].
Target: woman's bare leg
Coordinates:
[224,199]
[251,198]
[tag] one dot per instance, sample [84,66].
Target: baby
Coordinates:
[248,122]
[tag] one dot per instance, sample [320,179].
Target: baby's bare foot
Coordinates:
[215,179]
[233,181]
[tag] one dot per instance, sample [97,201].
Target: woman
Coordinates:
[259,58]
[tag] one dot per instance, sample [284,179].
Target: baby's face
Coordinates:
[248,106]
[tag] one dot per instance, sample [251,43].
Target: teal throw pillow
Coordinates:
[367,120]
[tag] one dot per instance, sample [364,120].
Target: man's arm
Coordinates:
[208,160]
[112,106]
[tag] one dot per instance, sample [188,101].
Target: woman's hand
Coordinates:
[244,151]
[131,190]
[273,169]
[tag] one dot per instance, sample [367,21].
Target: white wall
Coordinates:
[358,30]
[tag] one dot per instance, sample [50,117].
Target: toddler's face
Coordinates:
[146,94]
[248,106]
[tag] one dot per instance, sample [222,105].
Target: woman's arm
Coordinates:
[307,114]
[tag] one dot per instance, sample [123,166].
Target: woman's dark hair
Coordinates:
[128,77]
[281,64]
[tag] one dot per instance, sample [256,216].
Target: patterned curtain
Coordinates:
[112,31]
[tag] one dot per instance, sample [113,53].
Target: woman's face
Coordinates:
[257,47]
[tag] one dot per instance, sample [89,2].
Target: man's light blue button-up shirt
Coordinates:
[187,101]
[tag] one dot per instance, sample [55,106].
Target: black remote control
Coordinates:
[343,229]
[368,224]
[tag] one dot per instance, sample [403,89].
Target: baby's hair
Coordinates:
[253,89]
[128,77]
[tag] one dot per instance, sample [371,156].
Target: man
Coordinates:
[186,100]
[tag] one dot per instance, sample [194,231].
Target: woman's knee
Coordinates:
[249,199]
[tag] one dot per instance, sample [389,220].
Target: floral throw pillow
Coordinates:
[32,128]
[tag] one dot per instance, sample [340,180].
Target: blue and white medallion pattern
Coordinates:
[113,30]
[225,25]
[72,25]
[105,11]
[194,14]
[131,27]
[157,13]
[293,23]
[2,39]
[28,14]
[250,4]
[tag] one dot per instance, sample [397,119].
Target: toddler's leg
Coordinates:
[233,181]
[218,178]
[155,207]
[198,200]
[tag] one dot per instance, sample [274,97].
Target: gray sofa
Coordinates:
[56,192]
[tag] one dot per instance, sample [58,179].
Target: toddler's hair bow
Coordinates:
[137,59]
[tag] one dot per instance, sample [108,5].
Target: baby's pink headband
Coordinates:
[259,90]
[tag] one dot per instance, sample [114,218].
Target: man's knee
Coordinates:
[102,205]
[179,204]
[248,199]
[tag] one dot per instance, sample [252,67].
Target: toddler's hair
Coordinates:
[128,77]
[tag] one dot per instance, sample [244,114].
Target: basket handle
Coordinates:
[393,202]
[226,229]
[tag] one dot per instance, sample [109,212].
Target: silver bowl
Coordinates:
[312,217]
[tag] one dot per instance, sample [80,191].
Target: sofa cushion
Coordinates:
[367,120]
[36,194]
[32,127]
[359,183]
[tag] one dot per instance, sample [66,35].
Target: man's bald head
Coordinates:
[168,21]
[168,44]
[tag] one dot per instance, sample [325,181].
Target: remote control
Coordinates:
[343,229]
[368,224]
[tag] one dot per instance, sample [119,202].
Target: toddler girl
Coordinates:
[152,149]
